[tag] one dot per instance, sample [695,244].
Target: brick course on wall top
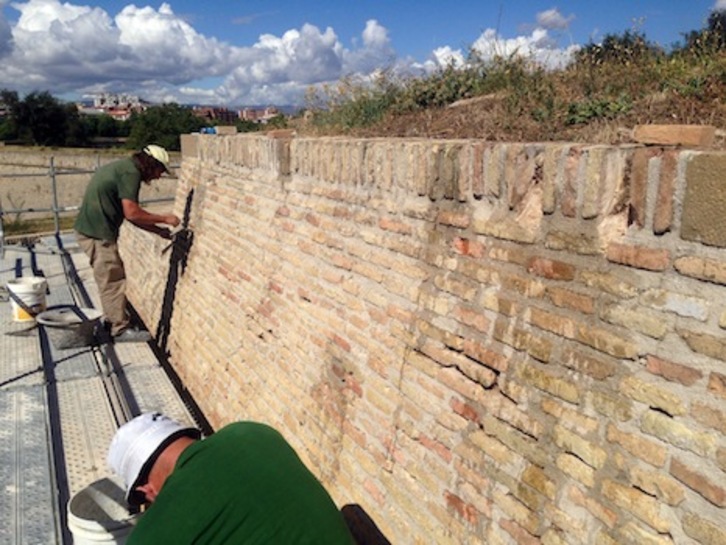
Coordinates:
[469,342]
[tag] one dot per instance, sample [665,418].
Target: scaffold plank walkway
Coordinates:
[59,408]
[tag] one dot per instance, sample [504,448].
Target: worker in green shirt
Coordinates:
[243,485]
[111,197]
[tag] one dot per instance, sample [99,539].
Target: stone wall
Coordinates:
[468,342]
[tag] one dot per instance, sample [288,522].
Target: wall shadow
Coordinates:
[361,525]
[180,247]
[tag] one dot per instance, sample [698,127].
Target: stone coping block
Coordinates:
[700,136]
[703,218]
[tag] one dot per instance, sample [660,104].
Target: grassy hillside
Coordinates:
[607,89]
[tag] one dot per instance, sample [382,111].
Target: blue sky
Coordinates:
[270,52]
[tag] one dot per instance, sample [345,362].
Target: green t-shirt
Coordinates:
[101,213]
[242,485]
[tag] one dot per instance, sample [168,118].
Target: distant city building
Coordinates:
[213,115]
[111,101]
[121,106]
[118,106]
[259,115]
[223,116]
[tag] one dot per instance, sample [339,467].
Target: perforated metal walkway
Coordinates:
[60,408]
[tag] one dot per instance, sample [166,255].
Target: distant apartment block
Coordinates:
[225,116]
[216,116]
[110,101]
[259,115]
[118,106]
[121,106]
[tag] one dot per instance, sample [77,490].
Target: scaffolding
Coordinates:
[59,407]
[52,174]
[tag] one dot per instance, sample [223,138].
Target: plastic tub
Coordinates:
[99,514]
[30,290]
[70,326]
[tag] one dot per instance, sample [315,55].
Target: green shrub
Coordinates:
[628,48]
[351,103]
[602,109]
[445,86]
[624,79]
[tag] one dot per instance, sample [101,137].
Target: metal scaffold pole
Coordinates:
[54,185]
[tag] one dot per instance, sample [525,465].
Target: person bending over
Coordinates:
[243,484]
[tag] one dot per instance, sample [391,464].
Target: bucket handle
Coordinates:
[22,304]
[75,309]
[78,312]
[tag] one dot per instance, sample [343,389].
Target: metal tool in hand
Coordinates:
[178,235]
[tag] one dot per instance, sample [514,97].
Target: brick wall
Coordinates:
[472,342]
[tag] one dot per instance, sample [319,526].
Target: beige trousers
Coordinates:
[108,271]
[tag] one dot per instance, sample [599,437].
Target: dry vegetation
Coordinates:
[599,98]
[488,118]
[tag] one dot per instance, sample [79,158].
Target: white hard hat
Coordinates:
[136,445]
[158,153]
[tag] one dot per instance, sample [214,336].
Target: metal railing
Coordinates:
[53,173]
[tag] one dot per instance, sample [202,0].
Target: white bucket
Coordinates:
[99,514]
[69,326]
[31,292]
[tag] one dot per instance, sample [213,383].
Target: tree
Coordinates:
[709,39]
[107,126]
[245,125]
[42,120]
[277,122]
[101,126]
[77,133]
[162,125]
[8,127]
[7,131]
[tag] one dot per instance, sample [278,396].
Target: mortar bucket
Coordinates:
[27,295]
[70,326]
[99,514]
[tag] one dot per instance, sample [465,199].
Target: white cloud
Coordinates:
[552,19]
[376,52]
[445,56]
[375,36]
[168,48]
[291,62]
[155,53]
[6,36]
[66,48]
[48,34]
[539,47]
[720,5]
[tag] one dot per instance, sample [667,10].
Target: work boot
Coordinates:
[132,335]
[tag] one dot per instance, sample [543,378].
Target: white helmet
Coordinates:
[158,153]
[136,445]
